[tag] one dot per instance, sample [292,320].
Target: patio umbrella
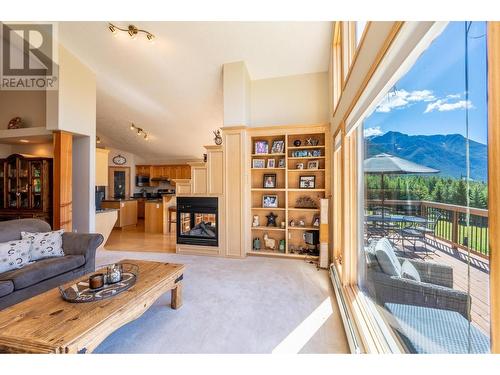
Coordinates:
[389,164]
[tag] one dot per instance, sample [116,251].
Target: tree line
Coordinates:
[431,188]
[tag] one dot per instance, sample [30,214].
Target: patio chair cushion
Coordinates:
[408,271]
[387,258]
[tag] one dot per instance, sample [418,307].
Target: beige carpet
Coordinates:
[252,305]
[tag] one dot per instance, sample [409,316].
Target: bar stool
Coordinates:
[172,219]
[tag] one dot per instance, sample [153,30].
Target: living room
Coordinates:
[232,186]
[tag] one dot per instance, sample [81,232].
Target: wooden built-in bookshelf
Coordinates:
[287,187]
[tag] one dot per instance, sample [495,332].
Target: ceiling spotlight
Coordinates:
[97,140]
[132,126]
[139,131]
[24,141]
[145,137]
[132,31]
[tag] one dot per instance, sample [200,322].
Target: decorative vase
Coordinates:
[256,243]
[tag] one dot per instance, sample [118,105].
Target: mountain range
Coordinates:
[447,153]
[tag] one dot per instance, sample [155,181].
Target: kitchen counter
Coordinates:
[127,211]
[153,216]
[118,200]
[105,220]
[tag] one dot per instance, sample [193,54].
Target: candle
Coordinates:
[96,281]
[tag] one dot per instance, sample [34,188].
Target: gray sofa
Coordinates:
[42,275]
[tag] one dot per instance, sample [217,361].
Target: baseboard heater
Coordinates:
[350,331]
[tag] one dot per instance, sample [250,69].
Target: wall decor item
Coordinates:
[270,201]
[119,160]
[258,163]
[269,243]
[218,137]
[15,123]
[256,221]
[305,201]
[315,222]
[256,243]
[271,220]
[297,143]
[278,147]
[299,166]
[261,147]
[313,164]
[269,181]
[282,246]
[281,163]
[307,182]
[271,163]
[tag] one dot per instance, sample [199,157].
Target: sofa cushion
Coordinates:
[14,255]
[44,244]
[42,270]
[6,287]
[387,258]
[408,271]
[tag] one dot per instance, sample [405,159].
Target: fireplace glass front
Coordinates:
[197,222]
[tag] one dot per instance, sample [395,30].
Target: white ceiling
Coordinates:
[173,88]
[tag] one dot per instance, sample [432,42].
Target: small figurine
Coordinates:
[218,137]
[269,243]
[297,143]
[309,142]
[302,223]
[292,223]
[255,222]
[283,224]
[271,220]
[256,243]
[15,123]
[315,222]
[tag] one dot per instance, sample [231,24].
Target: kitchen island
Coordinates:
[156,214]
[127,211]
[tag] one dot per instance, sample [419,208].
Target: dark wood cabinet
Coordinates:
[26,188]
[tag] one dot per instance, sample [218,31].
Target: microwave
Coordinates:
[141,180]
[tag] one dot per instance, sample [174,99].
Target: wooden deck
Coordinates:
[463,265]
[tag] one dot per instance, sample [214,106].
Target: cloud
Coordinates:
[442,105]
[403,98]
[371,132]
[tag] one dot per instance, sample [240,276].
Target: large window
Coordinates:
[422,210]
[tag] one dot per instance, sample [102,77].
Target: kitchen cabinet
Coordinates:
[143,170]
[101,167]
[141,207]
[173,171]
[153,221]
[127,211]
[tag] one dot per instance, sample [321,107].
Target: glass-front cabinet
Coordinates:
[25,187]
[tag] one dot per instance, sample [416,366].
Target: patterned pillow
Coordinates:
[44,244]
[14,254]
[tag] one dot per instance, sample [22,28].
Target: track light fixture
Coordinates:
[132,31]
[139,131]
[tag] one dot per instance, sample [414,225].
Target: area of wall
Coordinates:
[236,86]
[132,161]
[45,150]
[300,99]
[29,105]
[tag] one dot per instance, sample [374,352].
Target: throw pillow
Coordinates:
[387,258]
[45,244]
[408,271]
[14,255]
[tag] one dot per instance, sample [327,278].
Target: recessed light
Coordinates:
[24,141]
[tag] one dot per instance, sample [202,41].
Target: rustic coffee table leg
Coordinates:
[176,300]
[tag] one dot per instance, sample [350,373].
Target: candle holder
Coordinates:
[96,281]
[114,273]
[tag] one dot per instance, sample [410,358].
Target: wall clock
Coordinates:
[119,159]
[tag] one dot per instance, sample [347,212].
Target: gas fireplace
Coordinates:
[197,221]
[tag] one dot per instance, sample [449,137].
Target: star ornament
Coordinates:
[271,220]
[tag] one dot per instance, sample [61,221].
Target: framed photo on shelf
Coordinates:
[269,181]
[307,182]
[313,164]
[271,163]
[258,163]
[278,147]
[270,201]
[281,163]
[299,166]
[261,147]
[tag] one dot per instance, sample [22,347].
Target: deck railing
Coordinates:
[452,226]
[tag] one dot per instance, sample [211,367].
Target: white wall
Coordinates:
[29,105]
[132,161]
[299,99]
[45,150]
[236,88]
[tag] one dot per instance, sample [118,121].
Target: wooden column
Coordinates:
[494,178]
[63,181]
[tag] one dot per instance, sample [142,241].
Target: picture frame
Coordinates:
[281,163]
[278,147]
[307,182]
[299,166]
[315,221]
[270,201]
[261,147]
[258,163]
[313,164]
[271,163]
[269,181]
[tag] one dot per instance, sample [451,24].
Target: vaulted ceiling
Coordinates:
[173,88]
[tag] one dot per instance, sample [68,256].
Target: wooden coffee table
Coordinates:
[48,324]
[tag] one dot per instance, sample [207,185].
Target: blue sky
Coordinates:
[430,98]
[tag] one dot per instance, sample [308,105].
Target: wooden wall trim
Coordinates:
[63,181]
[494,178]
